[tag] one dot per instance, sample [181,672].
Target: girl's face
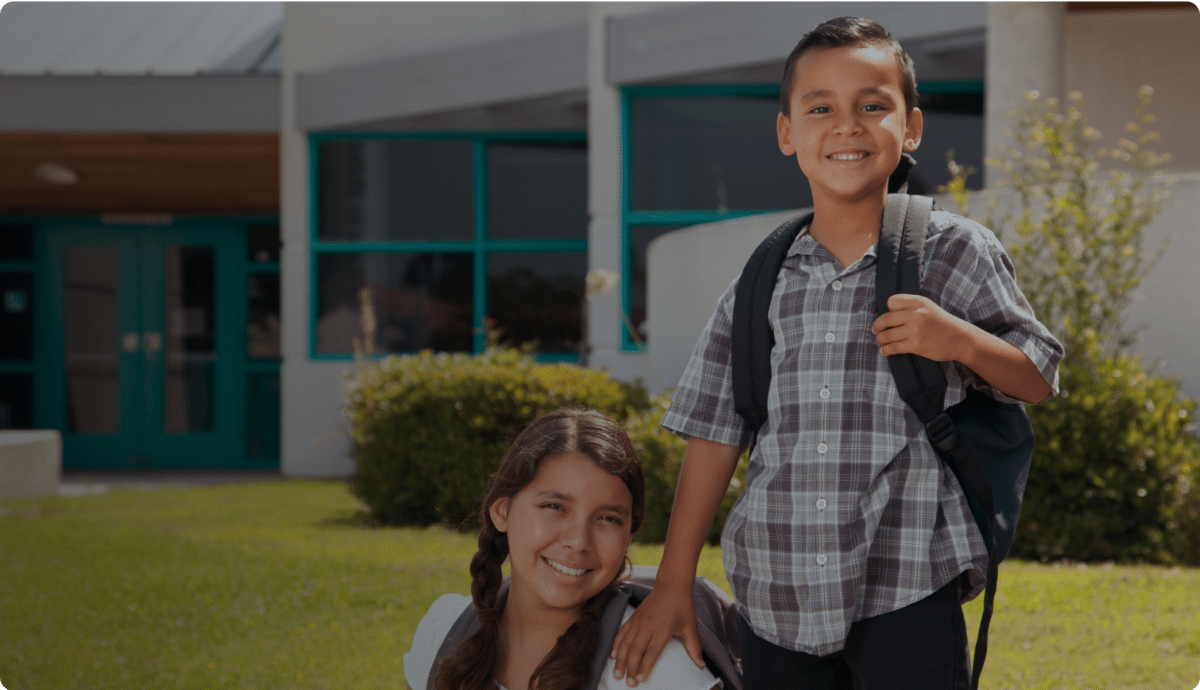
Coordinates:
[568,531]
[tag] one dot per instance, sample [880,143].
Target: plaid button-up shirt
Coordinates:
[847,511]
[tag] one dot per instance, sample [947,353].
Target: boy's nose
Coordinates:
[848,122]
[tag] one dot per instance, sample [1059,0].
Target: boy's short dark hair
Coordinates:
[849,31]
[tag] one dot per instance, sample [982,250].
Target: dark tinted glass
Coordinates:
[16,242]
[263,243]
[538,298]
[190,315]
[537,190]
[419,300]
[952,122]
[262,397]
[90,339]
[710,154]
[16,316]
[16,401]
[262,327]
[396,189]
[640,237]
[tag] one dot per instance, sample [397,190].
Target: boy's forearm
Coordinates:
[1003,365]
[703,478]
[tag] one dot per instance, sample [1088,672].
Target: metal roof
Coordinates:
[137,38]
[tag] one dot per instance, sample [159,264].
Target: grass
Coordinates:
[280,585]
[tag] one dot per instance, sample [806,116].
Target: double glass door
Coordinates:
[151,344]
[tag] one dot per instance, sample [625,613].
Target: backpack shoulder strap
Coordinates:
[465,626]
[752,337]
[609,623]
[922,384]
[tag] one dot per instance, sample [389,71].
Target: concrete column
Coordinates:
[1025,52]
[604,202]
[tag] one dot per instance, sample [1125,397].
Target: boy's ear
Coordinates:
[913,130]
[783,130]
[499,513]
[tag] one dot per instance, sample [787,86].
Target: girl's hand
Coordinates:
[667,612]
[917,325]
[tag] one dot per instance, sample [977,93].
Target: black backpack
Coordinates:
[987,444]
[716,617]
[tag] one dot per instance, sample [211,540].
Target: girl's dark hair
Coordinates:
[596,437]
[849,31]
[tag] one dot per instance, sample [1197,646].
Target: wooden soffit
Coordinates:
[201,173]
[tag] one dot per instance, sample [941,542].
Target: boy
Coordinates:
[852,545]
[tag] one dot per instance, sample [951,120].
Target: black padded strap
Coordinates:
[751,335]
[922,383]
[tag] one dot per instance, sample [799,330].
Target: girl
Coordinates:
[563,506]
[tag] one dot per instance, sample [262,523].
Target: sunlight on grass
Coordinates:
[281,585]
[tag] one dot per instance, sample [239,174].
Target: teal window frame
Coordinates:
[480,246]
[629,217]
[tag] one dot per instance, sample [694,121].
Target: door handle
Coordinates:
[152,342]
[129,342]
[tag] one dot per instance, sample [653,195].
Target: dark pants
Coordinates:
[922,646]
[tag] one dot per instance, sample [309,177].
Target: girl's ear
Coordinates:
[499,513]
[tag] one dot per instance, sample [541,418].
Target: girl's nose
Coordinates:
[577,535]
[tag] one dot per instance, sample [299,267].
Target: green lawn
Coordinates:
[279,585]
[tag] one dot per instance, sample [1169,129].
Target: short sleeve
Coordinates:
[674,670]
[428,638]
[971,277]
[702,405]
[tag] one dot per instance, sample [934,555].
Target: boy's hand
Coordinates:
[917,325]
[667,612]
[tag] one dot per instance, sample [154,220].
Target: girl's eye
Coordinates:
[552,506]
[613,519]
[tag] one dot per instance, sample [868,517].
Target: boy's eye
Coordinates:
[820,110]
[872,107]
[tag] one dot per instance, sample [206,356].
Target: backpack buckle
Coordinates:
[941,432]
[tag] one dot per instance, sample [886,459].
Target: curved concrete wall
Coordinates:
[690,268]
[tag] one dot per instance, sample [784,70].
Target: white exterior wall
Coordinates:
[324,36]
[690,268]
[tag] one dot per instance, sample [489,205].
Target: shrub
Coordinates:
[1114,469]
[427,430]
[661,453]
[1117,472]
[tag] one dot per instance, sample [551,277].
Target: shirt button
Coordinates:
[821,504]
[824,393]
[829,337]
[822,559]
[836,285]
[822,448]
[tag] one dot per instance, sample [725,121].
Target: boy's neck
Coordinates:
[847,228]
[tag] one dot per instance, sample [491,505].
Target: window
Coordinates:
[449,235]
[17,351]
[704,153]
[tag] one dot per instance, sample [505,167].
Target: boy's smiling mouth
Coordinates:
[575,572]
[848,156]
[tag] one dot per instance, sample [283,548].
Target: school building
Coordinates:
[195,197]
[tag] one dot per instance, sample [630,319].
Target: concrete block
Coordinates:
[30,463]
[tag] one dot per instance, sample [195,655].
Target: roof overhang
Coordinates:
[697,38]
[140,103]
[531,67]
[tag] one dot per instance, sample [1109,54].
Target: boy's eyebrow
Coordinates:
[823,93]
[560,496]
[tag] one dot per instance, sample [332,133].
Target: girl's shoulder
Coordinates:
[674,670]
[429,635]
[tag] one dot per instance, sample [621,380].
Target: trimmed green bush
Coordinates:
[1116,473]
[427,430]
[661,453]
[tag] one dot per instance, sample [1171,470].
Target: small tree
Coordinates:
[1115,467]
[1076,236]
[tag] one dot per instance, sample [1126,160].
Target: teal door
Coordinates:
[149,333]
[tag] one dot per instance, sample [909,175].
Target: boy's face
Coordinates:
[848,123]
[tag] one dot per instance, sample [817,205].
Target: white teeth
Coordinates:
[848,156]
[564,569]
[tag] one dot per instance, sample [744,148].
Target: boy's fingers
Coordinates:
[691,642]
[641,670]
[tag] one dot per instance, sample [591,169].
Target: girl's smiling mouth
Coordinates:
[574,572]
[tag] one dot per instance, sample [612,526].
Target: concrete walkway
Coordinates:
[76,482]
